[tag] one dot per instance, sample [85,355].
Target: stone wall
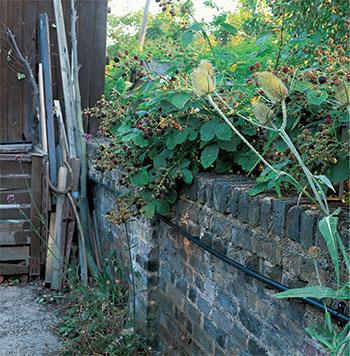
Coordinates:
[194,303]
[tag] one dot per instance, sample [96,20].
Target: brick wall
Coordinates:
[195,304]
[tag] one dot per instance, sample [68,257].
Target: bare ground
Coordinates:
[26,325]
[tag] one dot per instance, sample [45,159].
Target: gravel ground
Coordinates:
[25,324]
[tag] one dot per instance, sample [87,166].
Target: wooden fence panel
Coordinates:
[16,96]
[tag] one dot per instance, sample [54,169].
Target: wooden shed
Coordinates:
[21,165]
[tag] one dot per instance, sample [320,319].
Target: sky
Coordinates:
[122,7]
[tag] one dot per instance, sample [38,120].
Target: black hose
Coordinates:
[252,273]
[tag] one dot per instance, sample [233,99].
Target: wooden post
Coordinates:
[35,212]
[42,109]
[50,247]
[66,79]
[45,56]
[58,253]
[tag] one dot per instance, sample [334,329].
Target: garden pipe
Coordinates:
[250,272]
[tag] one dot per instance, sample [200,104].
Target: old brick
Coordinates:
[220,246]
[181,285]
[255,349]
[220,196]
[254,213]
[192,313]
[209,193]
[274,342]
[216,334]
[222,321]
[203,305]
[279,214]
[234,202]
[265,214]
[250,322]
[207,238]
[202,337]
[241,238]
[221,227]
[192,294]
[226,303]
[307,227]
[293,222]
[243,207]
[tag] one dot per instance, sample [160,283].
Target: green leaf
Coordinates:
[185,163]
[302,85]
[229,28]
[140,141]
[180,99]
[322,336]
[120,85]
[222,166]
[162,206]
[339,171]
[316,97]
[229,146]
[223,132]
[207,131]
[181,136]
[263,39]
[209,155]
[171,142]
[187,37]
[148,210]
[247,161]
[259,188]
[328,229]
[278,188]
[196,27]
[187,175]
[159,162]
[141,178]
[192,134]
[312,292]
[123,129]
[326,181]
[171,196]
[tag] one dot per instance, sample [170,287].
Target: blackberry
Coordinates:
[322,79]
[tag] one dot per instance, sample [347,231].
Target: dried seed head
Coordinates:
[342,94]
[206,66]
[202,82]
[274,89]
[262,112]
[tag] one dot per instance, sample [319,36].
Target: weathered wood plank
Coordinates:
[16,157]
[14,253]
[14,225]
[21,195]
[7,269]
[13,213]
[37,169]
[13,181]
[46,63]
[16,148]
[15,237]
[15,167]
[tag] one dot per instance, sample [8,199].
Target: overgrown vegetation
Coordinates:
[280,83]
[98,320]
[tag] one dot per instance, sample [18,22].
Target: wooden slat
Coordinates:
[15,253]
[46,63]
[14,225]
[14,167]
[22,196]
[13,269]
[13,181]
[14,213]
[15,238]
[16,148]
[37,169]
[14,157]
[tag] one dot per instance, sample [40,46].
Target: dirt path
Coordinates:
[25,324]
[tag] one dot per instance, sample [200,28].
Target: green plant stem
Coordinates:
[296,184]
[345,255]
[212,102]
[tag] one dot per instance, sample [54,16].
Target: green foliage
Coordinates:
[97,320]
